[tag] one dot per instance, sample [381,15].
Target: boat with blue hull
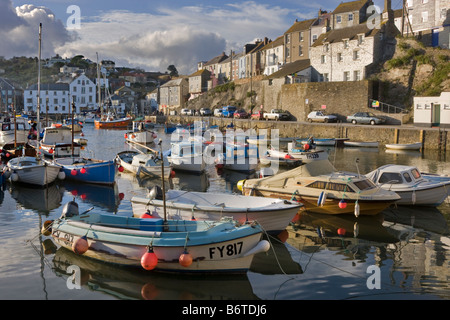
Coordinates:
[177,246]
[88,170]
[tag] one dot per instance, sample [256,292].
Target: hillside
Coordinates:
[414,70]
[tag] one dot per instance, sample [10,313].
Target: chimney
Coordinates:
[388,13]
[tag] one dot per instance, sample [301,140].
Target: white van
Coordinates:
[218,112]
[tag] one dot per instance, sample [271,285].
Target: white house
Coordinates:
[54,98]
[273,54]
[432,111]
[84,91]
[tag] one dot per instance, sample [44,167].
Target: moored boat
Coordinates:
[187,156]
[274,215]
[411,185]
[143,164]
[111,122]
[404,146]
[140,134]
[57,142]
[88,170]
[164,245]
[363,144]
[30,170]
[322,189]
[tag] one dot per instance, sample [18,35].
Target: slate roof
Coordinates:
[290,68]
[217,59]
[277,42]
[51,87]
[350,6]
[350,33]
[301,25]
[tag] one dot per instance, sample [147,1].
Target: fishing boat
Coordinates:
[306,152]
[16,149]
[242,157]
[57,142]
[279,158]
[274,215]
[362,144]
[187,156]
[13,130]
[77,126]
[411,185]
[404,146]
[110,121]
[143,164]
[140,134]
[30,170]
[87,170]
[164,245]
[322,189]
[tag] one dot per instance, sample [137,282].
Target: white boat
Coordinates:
[307,155]
[143,164]
[30,170]
[404,146]
[238,157]
[330,142]
[187,156]
[7,132]
[363,144]
[323,189]
[274,215]
[164,245]
[140,134]
[413,187]
[57,142]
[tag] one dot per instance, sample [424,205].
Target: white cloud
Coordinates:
[19,29]
[181,36]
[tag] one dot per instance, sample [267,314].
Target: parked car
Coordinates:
[257,115]
[365,118]
[205,111]
[228,111]
[241,114]
[276,114]
[218,112]
[187,112]
[319,116]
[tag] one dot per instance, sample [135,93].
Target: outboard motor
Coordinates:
[156,193]
[70,209]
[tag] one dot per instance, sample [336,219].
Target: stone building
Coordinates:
[348,14]
[54,98]
[173,95]
[85,93]
[297,41]
[198,82]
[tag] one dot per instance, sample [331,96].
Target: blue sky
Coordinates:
[149,34]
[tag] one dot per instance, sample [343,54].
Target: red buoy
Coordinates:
[306,146]
[341,231]
[73,172]
[83,170]
[342,204]
[149,260]
[146,215]
[185,259]
[120,169]
[81,245]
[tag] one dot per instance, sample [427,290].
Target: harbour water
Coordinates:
[407,249]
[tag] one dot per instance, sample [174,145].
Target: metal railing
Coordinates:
[385,107]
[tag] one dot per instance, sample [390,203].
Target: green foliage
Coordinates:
[251,94]
[432,87]
[403,60]
[225,87]
[403,45]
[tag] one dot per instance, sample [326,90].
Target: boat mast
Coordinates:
[39,84]
[99,89]
[73,127]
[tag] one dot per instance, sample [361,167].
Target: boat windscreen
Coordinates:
[364,184]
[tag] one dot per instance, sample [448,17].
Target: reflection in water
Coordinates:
[136,283]
[105,197]
[43,200]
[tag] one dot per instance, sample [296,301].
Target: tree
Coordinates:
[172,71]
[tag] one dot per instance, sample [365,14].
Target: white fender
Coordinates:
[262,246]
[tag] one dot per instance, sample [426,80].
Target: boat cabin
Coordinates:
[396,175]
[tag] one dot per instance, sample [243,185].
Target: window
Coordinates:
[288,38]
[356,55]
[301,36]
[74,89]
[390,177]
[356,75]
[416,174]
[346,43]
[350,17]
[339,57]
[325,48]
[325,77]
[364,184]
[425,16]
[323,59]
[346,76]
[330,186]
[314,37]
[300,50]
[55,101]
[360,39]
[338,19]
[407,177]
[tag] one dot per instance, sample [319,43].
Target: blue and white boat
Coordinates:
[88,170]
[242,157]
[187,156]
[179,246]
